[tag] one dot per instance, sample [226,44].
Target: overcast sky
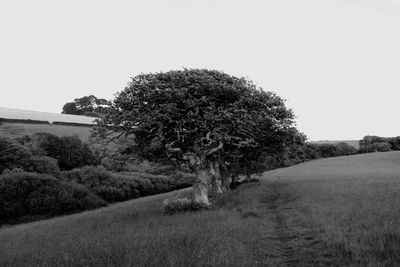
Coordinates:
[336,62]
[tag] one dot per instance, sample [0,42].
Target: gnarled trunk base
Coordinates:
[200,187]
[216,177]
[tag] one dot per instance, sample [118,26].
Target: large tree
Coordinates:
[207,118]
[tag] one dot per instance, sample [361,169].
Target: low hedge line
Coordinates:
[23,121]
[72,124]
[23,194]
[114,187]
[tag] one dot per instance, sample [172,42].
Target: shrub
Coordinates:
[42,164]
[179,205]
[23,193]
[99,181]
[121,186]
[75,153]
[12,154]
[44,144]
[344,149]
[115,162]
[375,147]
[70,151]
[183,179]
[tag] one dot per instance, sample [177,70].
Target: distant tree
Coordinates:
[344,149]
[375,147]
[86,103]
[327,150]
[207,118]
[70,108]
[394,142]
[88,106]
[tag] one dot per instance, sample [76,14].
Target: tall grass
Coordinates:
[354,201]
[138,233]
[337,212]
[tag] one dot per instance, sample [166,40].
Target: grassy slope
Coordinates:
[12,113]
[340,211]
[14,130]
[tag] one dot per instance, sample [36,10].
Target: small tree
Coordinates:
[206,118]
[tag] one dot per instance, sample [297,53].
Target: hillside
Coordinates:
[17,129]
[337,211]
[14,130]
[11,113]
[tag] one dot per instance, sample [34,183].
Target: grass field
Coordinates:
[15,130]
[11,113]
[339,211]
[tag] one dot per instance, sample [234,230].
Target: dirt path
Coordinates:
[290,241]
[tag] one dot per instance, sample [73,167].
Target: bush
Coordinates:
[12,154]
[70,151]
[115,162]
[99,181]
[121,186]
[344,149]
[74,153]
[183,179]
[23,193]
[42,164]
[375,147]
[179,205]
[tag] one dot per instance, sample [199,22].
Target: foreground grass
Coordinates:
[137,233]
[339,211]
[354,201]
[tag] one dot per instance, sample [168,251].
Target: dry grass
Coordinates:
[135,233]
[354,201]
[340,211]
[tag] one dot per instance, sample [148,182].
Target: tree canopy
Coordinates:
[87,105]
[203,116]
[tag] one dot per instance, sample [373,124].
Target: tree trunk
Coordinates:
[225,174]
[248,175]
[216,176]
[200,186]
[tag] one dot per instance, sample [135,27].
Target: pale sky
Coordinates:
[336,62]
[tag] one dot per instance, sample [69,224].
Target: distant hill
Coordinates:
[354,143]
[21,114]
[74,125]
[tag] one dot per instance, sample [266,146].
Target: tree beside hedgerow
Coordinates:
[207,118]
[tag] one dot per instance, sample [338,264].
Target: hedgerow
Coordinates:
[23,193]
[114,187]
